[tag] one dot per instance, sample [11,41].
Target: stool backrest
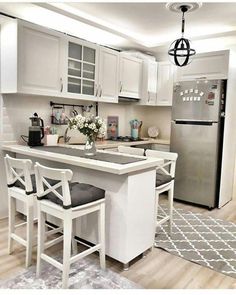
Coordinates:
[62,177]
[130,150]
[18,170]
[169,165]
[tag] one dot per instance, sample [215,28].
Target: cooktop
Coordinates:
[125,139]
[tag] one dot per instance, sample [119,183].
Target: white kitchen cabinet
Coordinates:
[212,65]
[108,77]
[81,69]
[130,76]
[149,84]
[30,59]
[165,80]
[161,147]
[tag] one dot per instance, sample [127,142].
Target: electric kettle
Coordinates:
[36,131]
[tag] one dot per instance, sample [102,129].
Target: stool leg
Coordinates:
[156,210]
[101,234]
[73,241]
[41,238]
[170,201]
[12,218]
[67,229]
[29,233]
[126,266]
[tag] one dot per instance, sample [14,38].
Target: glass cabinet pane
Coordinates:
[89,54]
[75,51]
[88,71]
[88,87]
[74,68]
[74,85]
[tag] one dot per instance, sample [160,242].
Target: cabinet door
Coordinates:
[165,80]
[81,69]
[161,147]
[108,86]
[130,76]
[149,83]
[152,83]
[39,60]
[213,65]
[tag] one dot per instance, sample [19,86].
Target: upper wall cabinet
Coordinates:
[149,85]
[30,59]
[81,69]
[108,77]
[213,65]
[130,76]
[165,81]
[36,60]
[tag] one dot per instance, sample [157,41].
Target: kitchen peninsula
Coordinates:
[130,197]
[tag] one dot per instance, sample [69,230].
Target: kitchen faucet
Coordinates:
[65,137]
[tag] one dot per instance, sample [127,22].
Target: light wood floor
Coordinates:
[159,270]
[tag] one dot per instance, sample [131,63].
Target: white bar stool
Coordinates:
[67,201]
[165,180]
[20,187]
[130,150]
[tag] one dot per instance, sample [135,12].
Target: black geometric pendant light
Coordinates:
[180,51]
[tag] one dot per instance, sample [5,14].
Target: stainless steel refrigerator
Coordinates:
[197,135]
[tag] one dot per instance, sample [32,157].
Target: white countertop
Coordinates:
[84,162]
[107,144]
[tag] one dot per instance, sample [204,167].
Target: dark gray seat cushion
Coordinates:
[162,178]
[20,185]
[81,194]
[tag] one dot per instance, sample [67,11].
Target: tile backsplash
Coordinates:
[16,110]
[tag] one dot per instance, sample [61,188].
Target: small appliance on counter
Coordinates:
[36,131]
[135,128]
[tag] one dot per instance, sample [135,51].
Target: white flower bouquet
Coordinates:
[90,126]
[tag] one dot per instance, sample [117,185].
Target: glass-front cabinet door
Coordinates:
[82,70]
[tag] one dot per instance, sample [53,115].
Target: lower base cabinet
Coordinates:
[154,146]
[161,147]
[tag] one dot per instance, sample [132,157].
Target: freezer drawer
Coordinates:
[197,164]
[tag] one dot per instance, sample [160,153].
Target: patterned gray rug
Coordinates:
[201,239]
[85,274]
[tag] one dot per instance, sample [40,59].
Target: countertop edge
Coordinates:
[113,168]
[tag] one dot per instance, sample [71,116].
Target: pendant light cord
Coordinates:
[183,24]
[184,9]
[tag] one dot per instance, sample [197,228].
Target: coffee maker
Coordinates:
[36,131]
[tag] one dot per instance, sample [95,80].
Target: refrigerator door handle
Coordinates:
[194,122]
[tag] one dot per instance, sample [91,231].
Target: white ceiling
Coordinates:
[144,26]
[151,24]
